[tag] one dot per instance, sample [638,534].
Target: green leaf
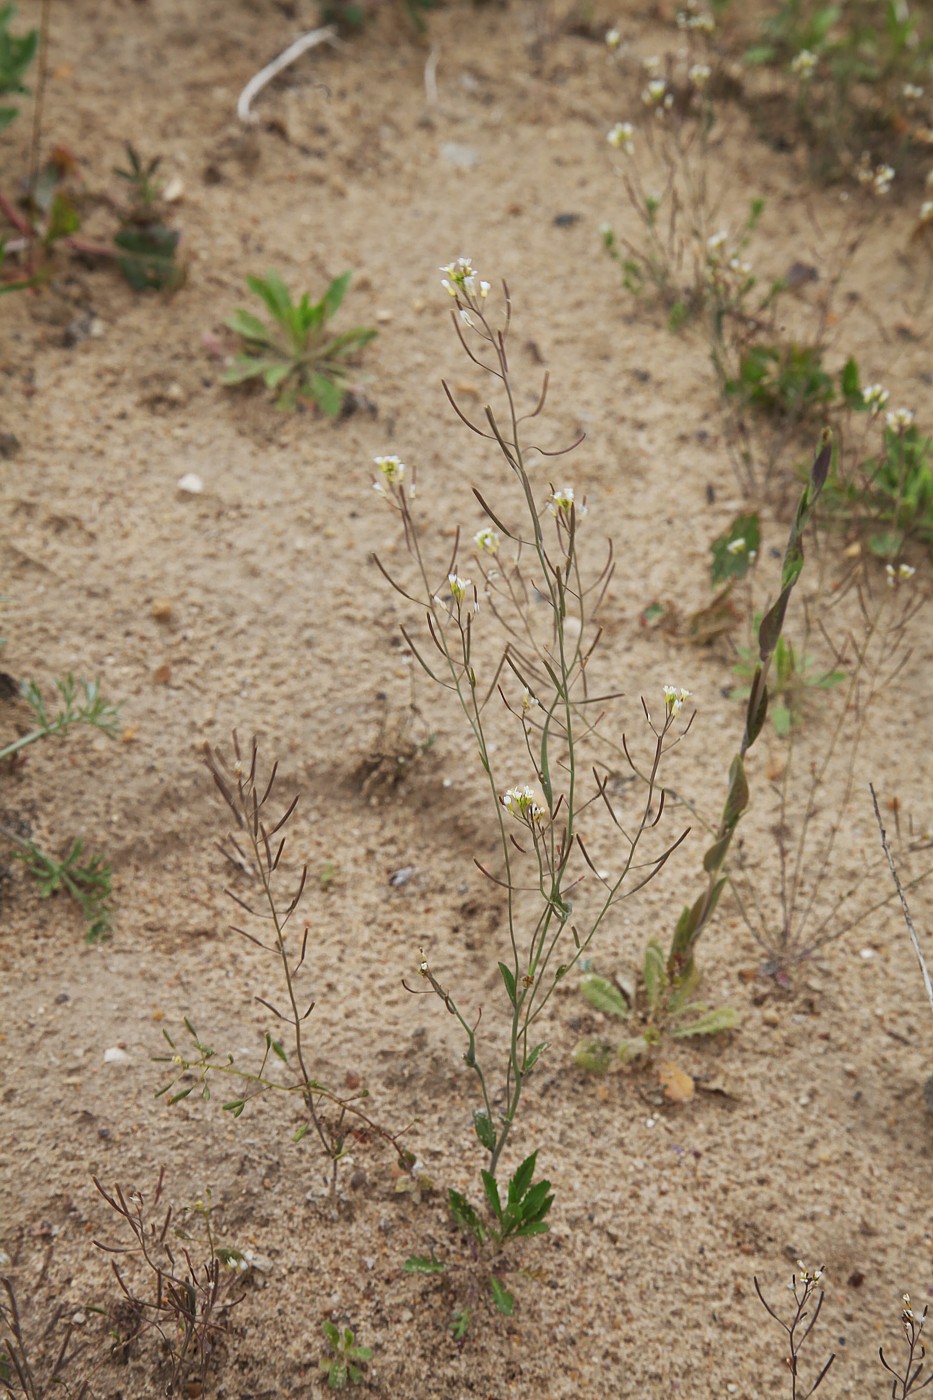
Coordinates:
[465,1216]
[332,1333]
[335,294]
[483,1127]
[604,995]
[492,1194]
[503,1299]
[148,261]
[326,394]
[460,1324]
[249,327]
[424,1264]
[536,1203]
[594,1056]
[276,374]
[655,973]
[724,1018]
[275,294]
[509,980]
[246,367]
[235,1106]
[782,719]
[63,219]
[534,1055]
[522,1178]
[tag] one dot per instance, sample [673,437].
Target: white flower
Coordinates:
[804,64]
[393,472]
[458,586]
[699,75]
[899,419]
[487,540]
[528,700]
[651,64]
[874,397]
[564,501]
[521,802]
[457,274]
[656,94]
[716,243]
[926,211]
[911,92]
[703,21]
[621,137]
[674,697]
[613,39]
[901,574]
[882,179]
[736,546]
[475,288]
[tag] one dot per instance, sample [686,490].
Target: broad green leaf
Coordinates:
[246,367]
[509,980]
[492,1194]
[595,1056]
[273,291]
[724,1018]
[424,1264]
[604,995]
[522,1178]
[483,1127]
[249,326]
[335,294]
[326,394]
[276,374]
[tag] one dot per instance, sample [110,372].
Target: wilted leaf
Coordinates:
[676,1084]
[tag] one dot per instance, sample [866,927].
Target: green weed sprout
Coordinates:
[681,970]
[89,884]
[537,596]
[343,1366]
[794,676]
[80,702]
[298,355]
[145,247]
[888,498]
[16,54]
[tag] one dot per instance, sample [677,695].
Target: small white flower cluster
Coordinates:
[522,803]
[699,75]
[563,502]
[463,278]
[901,574]
[613,39]
[899,419]
[740,546]
[803,65]
[911,92]
[622,137]
[656,96]
[458,586]
[487,540]
[529,701]
[700,20]
[392,469]
[874,397]
[809,1277]
[880,179]
[911,1319]
[674,698]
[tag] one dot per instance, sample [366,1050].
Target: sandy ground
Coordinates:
[254,605]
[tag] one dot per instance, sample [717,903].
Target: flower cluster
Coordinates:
[613,39]
[901,574]
[899,419]
[809,1277]
[874,397]
[562,502]
[699,75]
[522,803]
[878,179]
[656,96]
[462,278]
[487,540]
[392,470]
[804,65]
[674,698]
[700,20]
[622,137]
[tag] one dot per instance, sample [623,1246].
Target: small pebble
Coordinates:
[191,483]
[115,1056]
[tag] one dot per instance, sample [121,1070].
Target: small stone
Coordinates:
[191,483]
[162,609]
[456,153]
[115,1056]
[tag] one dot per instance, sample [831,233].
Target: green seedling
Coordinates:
[16,54]
[298,355]
[343,1366]
[890,498]
[793,677]
[80,703]
[522,1214]
[669,1011]
[146,246]
[787,381]
[89,884]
